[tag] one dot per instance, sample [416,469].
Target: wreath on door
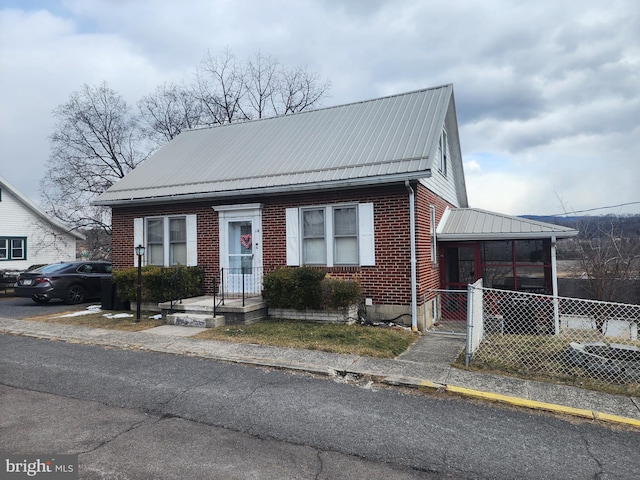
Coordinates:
[246,240]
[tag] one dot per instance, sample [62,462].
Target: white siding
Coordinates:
[45,243]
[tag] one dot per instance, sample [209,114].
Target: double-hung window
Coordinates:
[345,235]
[13,248]
[314,244]
[168,240]
[331,235]
[178,241]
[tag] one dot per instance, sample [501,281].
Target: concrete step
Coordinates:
[190,319]
[233,312]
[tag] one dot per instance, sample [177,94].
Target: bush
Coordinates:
[338,293]
[308,288]
[159,284]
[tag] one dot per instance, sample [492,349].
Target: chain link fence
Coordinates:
[587,342]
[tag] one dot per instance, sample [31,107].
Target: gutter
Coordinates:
[261,191]
[412,241]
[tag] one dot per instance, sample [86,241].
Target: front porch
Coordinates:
[206,311]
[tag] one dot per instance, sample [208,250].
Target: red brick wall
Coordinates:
[387,283]
[428,275]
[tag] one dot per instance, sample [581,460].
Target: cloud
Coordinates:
[546,92]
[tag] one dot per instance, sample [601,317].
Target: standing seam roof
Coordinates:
[389,136]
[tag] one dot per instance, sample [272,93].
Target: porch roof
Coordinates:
[467,224]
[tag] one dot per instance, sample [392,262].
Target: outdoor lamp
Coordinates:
[139,252]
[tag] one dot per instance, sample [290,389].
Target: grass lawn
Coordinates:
[372,341]
[541,358]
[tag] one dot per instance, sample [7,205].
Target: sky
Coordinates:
[547,92]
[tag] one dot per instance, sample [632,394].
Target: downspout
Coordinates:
[412,241]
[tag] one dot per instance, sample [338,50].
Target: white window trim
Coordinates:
[365,229]
[139,238]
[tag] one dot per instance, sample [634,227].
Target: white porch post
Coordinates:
[554,280]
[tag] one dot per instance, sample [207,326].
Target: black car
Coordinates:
[73,282]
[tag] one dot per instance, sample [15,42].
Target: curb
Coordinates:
[393,380]
[510,400]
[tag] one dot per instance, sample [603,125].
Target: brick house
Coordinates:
[357,190]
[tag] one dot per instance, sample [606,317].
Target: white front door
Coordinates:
[241,248]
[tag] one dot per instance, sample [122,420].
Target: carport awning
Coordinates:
[471,224]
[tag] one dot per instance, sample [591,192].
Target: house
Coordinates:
[28,236]
[357,190]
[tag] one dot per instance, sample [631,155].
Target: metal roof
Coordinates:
[461,224]
[388,139]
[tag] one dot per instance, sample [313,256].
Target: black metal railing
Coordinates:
[242,282]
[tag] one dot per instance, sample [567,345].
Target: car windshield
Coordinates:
[56,267]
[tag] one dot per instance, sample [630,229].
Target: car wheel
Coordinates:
[75,294]
[40,300]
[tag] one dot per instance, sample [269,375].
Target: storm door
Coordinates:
[240,250]
[460,266]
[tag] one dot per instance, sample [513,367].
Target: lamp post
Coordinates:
[139,252]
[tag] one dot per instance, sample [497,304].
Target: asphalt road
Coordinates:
[134,414]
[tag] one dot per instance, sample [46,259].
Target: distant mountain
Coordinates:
[590,225]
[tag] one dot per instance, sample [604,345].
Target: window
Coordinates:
[345,235]
[443,149]
[314,247]
[432,234]
[167,240]
[330,235]
[13,248]
[177,241]
[155,241]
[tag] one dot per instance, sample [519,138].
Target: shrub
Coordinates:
[308,288]
[339,293]
[159,284]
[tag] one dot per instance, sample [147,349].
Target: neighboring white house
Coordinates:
[29,236]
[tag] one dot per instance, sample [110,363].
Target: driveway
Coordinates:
[19,308]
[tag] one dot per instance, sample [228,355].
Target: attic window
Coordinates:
[443,149]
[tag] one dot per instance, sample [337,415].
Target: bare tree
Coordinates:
[221,87]
[169,110]
[263,79]
[95,143]
[299,90]
[262,87]
[97,140]
[608,259]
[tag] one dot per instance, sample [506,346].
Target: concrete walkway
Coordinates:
[425,365]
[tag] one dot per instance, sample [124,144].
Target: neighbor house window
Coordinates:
[168,240]
[330,235]
[13,248]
